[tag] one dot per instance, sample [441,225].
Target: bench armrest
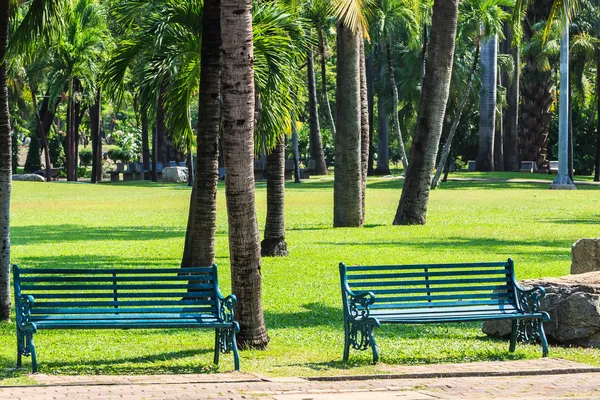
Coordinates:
[529,300]
[358,304]
[226,306]
[23,309]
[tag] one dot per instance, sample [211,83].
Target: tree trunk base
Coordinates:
[253,343]
[381,172]
[273,248]
[5,313]
[409,220]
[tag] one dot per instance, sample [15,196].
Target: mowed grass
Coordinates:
[143,224]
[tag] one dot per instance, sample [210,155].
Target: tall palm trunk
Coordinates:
[347,193]
[316,145]
[324,80]
[536,94]
[145,140]
[364,128]
[238,146]
[274,243]
[511,115]
[96,142]
[41,129]
[5,170]
[383,154]
[442,165]
[296,151]
[597,169]
[202,220]
[392,79]
[370,65]
[487,104]
[70,140]
[412,209]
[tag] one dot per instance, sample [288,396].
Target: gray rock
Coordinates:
[28,177]
[573,303]
[586,256]
[175,174]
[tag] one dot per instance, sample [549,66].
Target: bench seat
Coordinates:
[437,293]
[158,298]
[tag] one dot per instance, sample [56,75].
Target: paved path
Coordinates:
[543,379]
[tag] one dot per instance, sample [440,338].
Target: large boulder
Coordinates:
[175,174]
[28,177]
[573,303]
[586,256]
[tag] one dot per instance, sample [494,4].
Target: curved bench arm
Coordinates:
[24,306]
[529,300]
[226,307]
[359,304]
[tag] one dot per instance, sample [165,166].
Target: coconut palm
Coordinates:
[394,17]
[412,209]
[347,194]
[39,19]
[487,103]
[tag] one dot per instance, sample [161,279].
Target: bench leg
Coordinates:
[543,339]
[31,350]
[236,356]
[513,336]
[217,346]
[374,347]
[20,348]
[346,341]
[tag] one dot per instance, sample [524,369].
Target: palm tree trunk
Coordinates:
[324,80]
[316,145]
[487,104]
[145,140]
[5,170]
[383,152]
[70,123]
[347,197]
[511,115]
[238,146]
[274,243]
[364,128]
[392,79]
[370,64]
[161,129]
[412,209]
[42,131]
[96,142]
[296,151]
[442,165]
[154,155]
[597,169]
[202,221]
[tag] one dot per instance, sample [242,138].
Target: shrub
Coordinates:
[85,156]
[115,154]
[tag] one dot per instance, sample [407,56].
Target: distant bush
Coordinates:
[115,154]
[85,156]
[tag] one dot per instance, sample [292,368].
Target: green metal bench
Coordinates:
[122,299]
[437,293]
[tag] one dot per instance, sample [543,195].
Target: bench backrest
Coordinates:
[440,285]
[189,291]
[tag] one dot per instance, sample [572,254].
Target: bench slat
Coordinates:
[440,282]
[124,303]
[441,304]
[434,298]
[124,324]
[94,279]
[445,310]
[122,295]
[133,310]
[146,287]
[440,289]
[422,266]
[101,271]
[96,317]
[428,274]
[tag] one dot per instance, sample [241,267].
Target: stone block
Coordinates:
[175,174]
[585,256]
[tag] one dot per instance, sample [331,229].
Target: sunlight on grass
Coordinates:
[140,224]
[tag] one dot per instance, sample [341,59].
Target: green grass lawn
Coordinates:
[141,224]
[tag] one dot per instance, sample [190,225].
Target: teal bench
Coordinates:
[437,293]
[122,299]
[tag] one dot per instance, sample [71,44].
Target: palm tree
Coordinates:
[347,193]
[511,115]
[238,146]
[274,243]
[364,130]
[412,209]
[5,168]
[316,144]
[487,103]
[39,19]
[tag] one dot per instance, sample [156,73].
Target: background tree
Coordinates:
[412,209]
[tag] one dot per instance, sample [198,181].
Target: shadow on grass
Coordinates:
[39,234]
[592,220]
[555,247]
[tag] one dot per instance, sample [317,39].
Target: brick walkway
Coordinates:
[544,379]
